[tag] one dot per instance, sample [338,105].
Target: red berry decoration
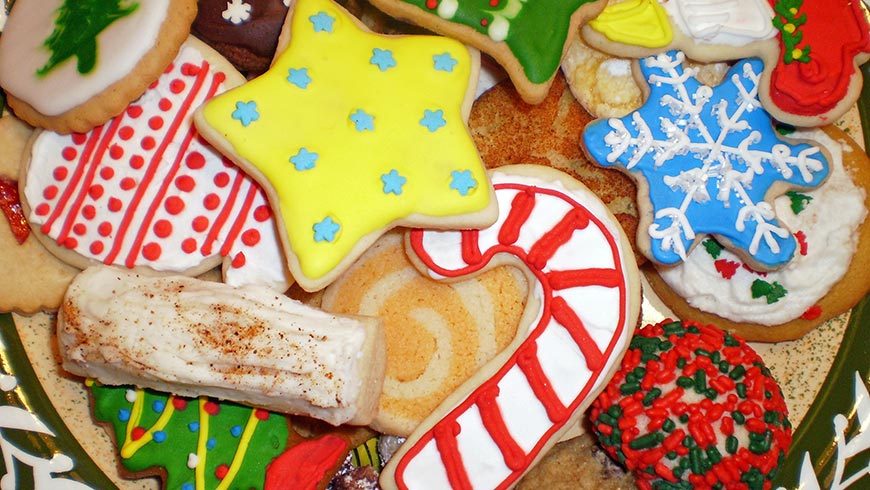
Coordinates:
[693,407]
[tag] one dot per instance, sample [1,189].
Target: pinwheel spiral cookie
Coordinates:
[72,65]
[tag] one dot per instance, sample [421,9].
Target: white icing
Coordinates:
[447,8]
[829,221]
[728,22]
[120,47]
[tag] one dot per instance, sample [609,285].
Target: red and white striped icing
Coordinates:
[146,190]
[583,308]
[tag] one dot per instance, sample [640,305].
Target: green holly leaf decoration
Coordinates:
[798,201]
[771,291]
[788,20]
[713,248]
[76,28]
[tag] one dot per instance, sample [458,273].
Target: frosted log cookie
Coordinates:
[70,66]
[528,39]
[438,334]
[40,278]
[583,305]
[828,275]
[353,133]
[144,190]
[707,161]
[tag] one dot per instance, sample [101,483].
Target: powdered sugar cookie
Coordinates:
[707,161]
[144,190]
[66,73]
[528,39]
[828,275]
[379,137]
[583,304]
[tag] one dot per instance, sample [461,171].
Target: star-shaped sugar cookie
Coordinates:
[352,133]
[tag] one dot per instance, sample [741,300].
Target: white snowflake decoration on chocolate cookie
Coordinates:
[237,12]
[709,157]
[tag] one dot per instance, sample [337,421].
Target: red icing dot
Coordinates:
[69,153]
[200,224]
[169,68]
[239,260]
[105,229]
[155,122]
[97,248]
[106,173]
[155,83]
[136,162]
[79,138]
[165,104]
[60,173]
[134,111]
[50,192]
[220,77]
[89,212]
[726,268]
[176,86]
[126,133]
[174,205]
[261,414]
[188,246]
[195,160]
[179,403]
[79,229]
[484,22]
[185,183]
[189,69]
[70,243]
[116,152]
[493,3]
[802,241]
[211,408]
[431,4]
[221,471]
[211,202]
[95,191]
[128,183]
[221,179]
[812,313]
[137,433]
[162,228]
[115,204]
[251,237]
[151,251]
[42,209]
[148,143]
[262,213]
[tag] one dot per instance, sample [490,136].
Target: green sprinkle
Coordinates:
[629,388]
[798,201]
[696,456]
[713,248]
[647,441]
[760,444]
[738,417]
[714,454]
[669,425]
[740,388]
[681,362]
[615,411]
[684,418]
[724,367]
[730,341]
[737,373]
[731,444]
[651,396]
[673,328]
[711,393]
[700,381]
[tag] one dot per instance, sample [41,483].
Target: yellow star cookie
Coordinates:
[352,133]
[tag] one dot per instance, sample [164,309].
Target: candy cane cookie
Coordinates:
[583,304]
[145,190]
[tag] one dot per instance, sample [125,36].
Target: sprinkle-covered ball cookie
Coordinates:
[693,407]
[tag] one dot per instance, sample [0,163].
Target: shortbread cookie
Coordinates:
[528,39]
[693,407]
[437,334]
[707,161]
[583,304]
[66,74]
[378,137]
[830,273]
[145,190]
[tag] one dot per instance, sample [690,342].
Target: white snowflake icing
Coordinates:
[237,12]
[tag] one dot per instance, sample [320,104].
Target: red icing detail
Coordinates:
[445,433]
[239,260]
[470,249]
[221,179]
[211,201]
[165,104]
[261,414]
[42,209]
[200,224]
[568,318]
[726,268]
[155,123]
[530,365]
[79,229]
[221,471]
[802,241]
[128,183]
[152,251]
[211,408]
[179,403]
[106,173]
[60,173]
[89,212]
[126,133]
[116,152]
[521,207]
[490,414]
[251,237]
[812,313]
[115,204]
[224,216]
[195,160]
[185,183]
[105,229]
[70,243]
[69,153]
[95,191]
[134,111]
[177,86]
[484,22]
[50,192]
[189,245]
[493,3]
[10,203]
[97,248]
[137,162]
[305,465]
[148,143]
[137,433]
[262,213]
[163,228]
[189,69]
[174,205]
[431,4]
[169,68]
[79,138]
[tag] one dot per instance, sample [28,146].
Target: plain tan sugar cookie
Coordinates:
[66,74]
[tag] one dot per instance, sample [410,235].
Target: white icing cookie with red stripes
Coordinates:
[583,305]
[145,190]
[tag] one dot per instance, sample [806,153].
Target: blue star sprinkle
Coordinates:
[325,230]
[462,181]
[383,58]
[299,77]
[433,120]
[304,159]
[709,157]
[444,62]
[322,22]
[363,121]
[393,182]
[246,112]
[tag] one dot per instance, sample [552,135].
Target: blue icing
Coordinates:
[304,159]
[236,430]
[363,121]
[393,182]
[246,112]
[299,77]
[325,230]
[322,22]
[158,406]
[159,436]
[124,415]
[433,120]
[444,62]
[383,59]
[462,181]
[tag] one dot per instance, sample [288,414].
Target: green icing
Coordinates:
[770,291]
[182,433]
[788,20]
[538,29]
[76,27]
[713,248]
[798,201]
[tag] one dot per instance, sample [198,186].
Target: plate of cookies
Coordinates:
[594,254]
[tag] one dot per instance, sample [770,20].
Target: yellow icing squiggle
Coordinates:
[130,447]
[635,22]
[240,451]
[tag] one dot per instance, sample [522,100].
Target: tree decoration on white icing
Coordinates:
[237,12]
[709,156]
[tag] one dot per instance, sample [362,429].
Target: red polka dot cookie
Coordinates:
[693,407]
[145,190]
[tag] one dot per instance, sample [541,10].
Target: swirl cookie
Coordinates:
[380,138]
[583,303]
[144,190]
[70,66]
[828,275]
[437,334]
